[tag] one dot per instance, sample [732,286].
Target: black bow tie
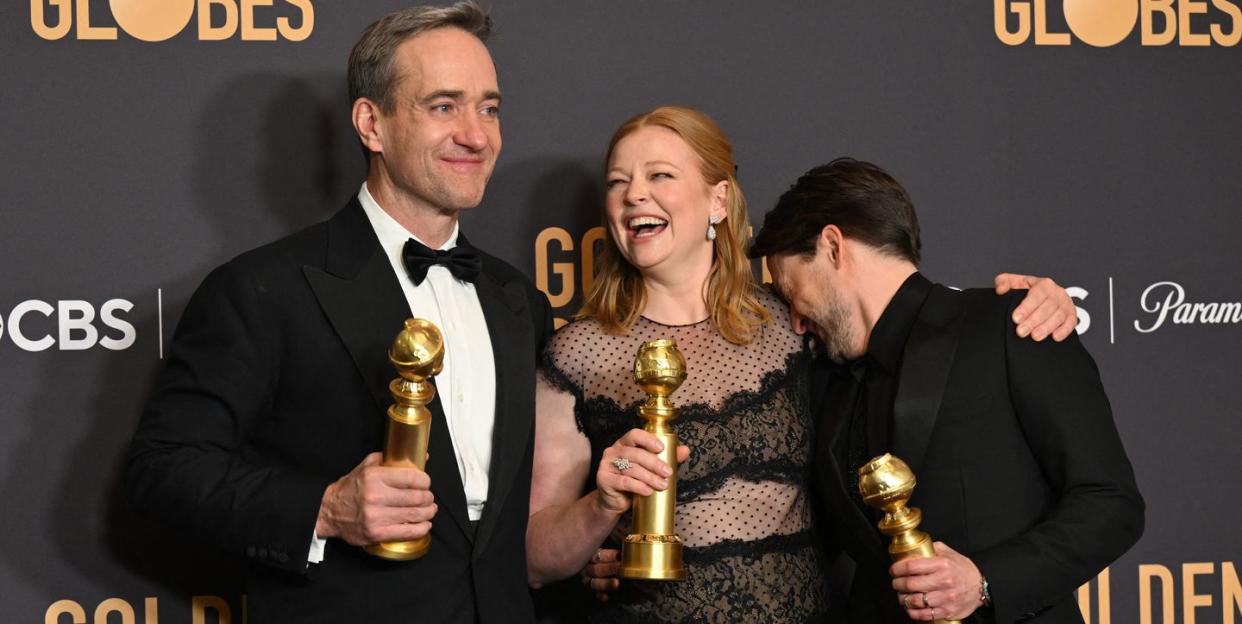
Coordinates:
[463,261]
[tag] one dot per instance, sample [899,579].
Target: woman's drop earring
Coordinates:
[711,227]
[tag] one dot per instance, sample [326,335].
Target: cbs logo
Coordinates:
[74,325]
[1104,23]
[160,20]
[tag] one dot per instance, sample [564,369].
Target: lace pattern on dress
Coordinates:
[743,511]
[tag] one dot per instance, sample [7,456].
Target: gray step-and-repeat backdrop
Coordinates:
[146,141]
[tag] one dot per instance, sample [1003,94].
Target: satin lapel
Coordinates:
[859,533]
[509,327]
[363,301]
[925,367]
[359,294]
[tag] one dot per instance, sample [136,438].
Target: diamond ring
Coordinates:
[621,464]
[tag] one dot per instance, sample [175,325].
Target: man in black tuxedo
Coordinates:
[261,434]
[1020,468]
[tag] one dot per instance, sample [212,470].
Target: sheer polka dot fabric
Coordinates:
[742,503]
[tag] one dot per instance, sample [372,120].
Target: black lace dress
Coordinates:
[742,507]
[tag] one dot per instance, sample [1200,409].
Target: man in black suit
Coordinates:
[1020,469]
[262,432]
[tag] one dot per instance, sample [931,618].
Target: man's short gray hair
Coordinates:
[371,73]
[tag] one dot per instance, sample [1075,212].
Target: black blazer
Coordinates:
[1018,462]
[277,385]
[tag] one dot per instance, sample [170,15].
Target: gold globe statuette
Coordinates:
[653,550]
[418,354]
[886,483]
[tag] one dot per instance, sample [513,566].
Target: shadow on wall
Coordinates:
[530,196]
[262,172]
[274,154]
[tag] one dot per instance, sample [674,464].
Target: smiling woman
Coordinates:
[670,174]
[742,509]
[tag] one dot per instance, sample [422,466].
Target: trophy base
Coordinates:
[401,551]
[652,558]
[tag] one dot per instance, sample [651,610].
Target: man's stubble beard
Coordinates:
[834,320]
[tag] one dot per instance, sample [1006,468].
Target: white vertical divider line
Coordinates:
[1112,336]
[159,297]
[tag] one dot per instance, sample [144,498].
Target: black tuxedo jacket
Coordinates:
[1018,462]
[277,385]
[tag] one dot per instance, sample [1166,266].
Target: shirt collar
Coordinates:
[392,235]
[888,337]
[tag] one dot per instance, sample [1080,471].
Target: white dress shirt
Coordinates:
[466,386]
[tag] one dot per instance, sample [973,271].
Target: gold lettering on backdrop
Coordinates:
[1101,23]
[210,32]
[589,240]
[115,605]
[199,606]
[1023,11]
[1235,19]
[160,20]
[38,18]
[88,32]
[152,608]
[1147,574]
[152,21]
[1231,592]
[558,259]
[1042,36]
[1106,23]
[554,243]
[203,610]
[1148,23]
[65,607]
[1186,8]
[1104,612]
[563,270]
[1191,600]
[250,32]
[284,24]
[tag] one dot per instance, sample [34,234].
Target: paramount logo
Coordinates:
[1166,301]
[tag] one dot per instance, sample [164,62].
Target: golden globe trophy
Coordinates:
[417,354]
[886,483]
[653,550]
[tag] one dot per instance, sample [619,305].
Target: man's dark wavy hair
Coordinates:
[861,199]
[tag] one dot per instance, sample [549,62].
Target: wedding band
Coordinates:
[925,605]
[621,464]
